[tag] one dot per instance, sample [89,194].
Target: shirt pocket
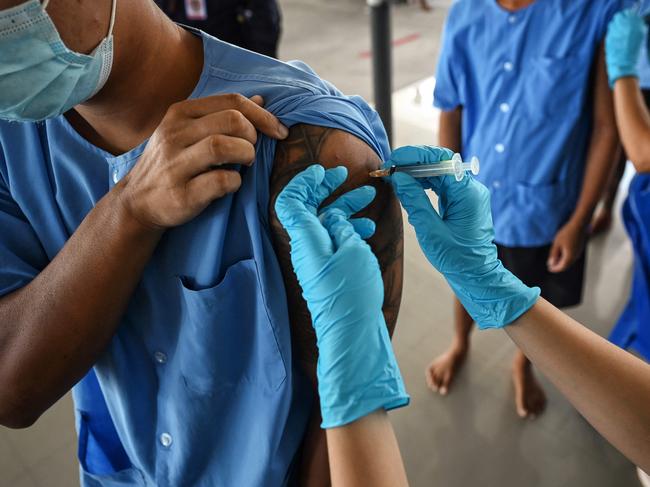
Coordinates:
[227,338]
[555,87]
[549,206]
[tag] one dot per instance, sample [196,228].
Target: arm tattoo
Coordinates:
[307,145]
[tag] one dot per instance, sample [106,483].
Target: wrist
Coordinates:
[127,219]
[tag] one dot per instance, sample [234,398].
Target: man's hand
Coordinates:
[567,247]
[181,172]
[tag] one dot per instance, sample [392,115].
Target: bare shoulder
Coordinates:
[307,145]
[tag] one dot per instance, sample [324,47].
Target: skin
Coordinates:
[54,329]
[331,148]
[633,121]
[366,453]
[608,386]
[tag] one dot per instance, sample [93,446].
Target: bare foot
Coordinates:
[441,371]
[530,399]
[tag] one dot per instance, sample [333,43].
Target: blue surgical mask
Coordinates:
[40,77]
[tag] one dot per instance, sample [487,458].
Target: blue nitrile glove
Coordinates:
[458,241]
[341,282]
[625,35]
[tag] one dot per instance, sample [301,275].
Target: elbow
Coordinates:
[17,407]
[640,157]
[16,416]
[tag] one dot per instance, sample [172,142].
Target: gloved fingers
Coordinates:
[340,229]
[296,211]
[353,201]
[299,194]
[365,227]
[416,202]
[332,180]
[418,154]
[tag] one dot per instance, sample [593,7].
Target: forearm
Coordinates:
[633,122]
[450,130]
[366,453]
[600,159]
[55,328]
[608,386]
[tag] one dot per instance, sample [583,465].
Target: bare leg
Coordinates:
[441,371]
[530,399]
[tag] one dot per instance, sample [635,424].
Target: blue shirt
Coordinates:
[199,379]
[524,82]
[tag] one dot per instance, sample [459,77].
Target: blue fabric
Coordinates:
[211,299]
[523,80]
[633,327]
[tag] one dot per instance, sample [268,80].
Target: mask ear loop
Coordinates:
[113,12]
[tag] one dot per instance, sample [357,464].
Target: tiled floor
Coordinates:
[472,437]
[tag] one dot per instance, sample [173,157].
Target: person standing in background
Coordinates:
[255,25]
[522,85]
[603,217]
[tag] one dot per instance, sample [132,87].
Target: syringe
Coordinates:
[455,167]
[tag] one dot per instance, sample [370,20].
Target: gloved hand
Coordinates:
[458,241]
[341,282]
[625,35]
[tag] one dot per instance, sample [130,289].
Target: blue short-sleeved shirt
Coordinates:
[524,82]
[199,379]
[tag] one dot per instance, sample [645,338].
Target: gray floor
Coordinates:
[472,437]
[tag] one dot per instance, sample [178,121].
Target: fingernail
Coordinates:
[284,131]
[443,391]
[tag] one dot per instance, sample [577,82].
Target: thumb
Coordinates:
[416,202]
[556,257]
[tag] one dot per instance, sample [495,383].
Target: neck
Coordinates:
[513,5]
[151,72]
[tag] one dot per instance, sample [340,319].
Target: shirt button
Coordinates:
[166,440]
[116,177]
[160,357]
[496,184]
[508,66]
[504,107]
[512,19]
[500,148]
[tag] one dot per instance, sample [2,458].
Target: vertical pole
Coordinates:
[382,71]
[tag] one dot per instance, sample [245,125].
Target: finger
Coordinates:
[332,180]
[296,211]
[263,120]
[212,185]
[558,258]
[419,154]
[429,376]
[365,227]
[258,100]
[520,404]
[299,194]
[353,201]
[340,229]
[225,122]
[415,201]
[215,151]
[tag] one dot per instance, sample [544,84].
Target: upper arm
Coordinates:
[307,145]
[450,129]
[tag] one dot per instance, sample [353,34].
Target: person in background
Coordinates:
[255,25]
[522,85]
[603,216]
